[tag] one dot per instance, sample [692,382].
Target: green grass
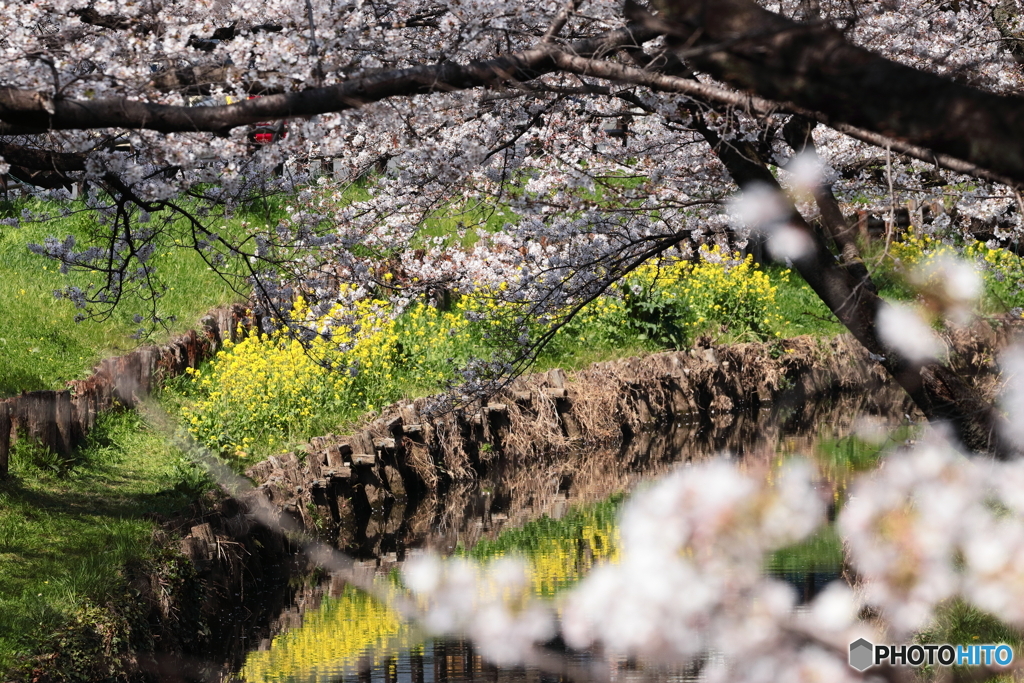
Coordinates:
[67,530]
[822,552]
[959,623]
[69,527]
[844,457]
[533,537]
[41,345]
[802,311]
[458,223]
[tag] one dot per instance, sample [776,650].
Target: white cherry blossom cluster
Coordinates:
[539,153]
[490,604]
[690,583]
[931,524]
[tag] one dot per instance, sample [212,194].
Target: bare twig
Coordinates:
[560,21]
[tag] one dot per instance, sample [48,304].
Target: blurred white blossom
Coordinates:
[690,578]
[689,585]
[1011,399]
[760,207]
[765,211]
[490,604]
[902,328]
[787,243]
[951,284]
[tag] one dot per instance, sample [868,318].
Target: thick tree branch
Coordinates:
[815,68]
[847,288]
[30,110]
[89,15]
[200,80]
[762,106]
[560,21]
[42,159]
[797,133]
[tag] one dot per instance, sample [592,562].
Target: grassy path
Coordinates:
[66,536]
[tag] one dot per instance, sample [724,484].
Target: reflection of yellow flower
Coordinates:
[332,637]
[353,625]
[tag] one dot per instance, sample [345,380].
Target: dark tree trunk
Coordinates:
[814,67]
[753,48]
[940,393]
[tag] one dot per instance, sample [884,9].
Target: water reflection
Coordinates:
[510,493]
[348,630]
[435,662]
[560,514]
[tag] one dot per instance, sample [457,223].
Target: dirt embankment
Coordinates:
[410,451]
[505,498]
[60,420]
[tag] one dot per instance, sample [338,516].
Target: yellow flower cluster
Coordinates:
[430,340]
[726,289]
[670,301]
[266,390]
[269,388]
[915,249]
[1002,270]
[559,562]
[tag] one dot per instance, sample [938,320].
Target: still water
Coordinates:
[560,515]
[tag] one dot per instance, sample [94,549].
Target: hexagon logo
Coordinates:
[862,654]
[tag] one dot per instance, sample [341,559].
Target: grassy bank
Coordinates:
[265,394]
[68,530]
[41,345]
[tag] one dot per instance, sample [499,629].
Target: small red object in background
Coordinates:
[266,132]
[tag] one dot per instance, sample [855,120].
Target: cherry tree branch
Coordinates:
[43,159]
[816,69]
[560,21]
[28,110]
[763,106]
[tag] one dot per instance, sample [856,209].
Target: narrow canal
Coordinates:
[561,517]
